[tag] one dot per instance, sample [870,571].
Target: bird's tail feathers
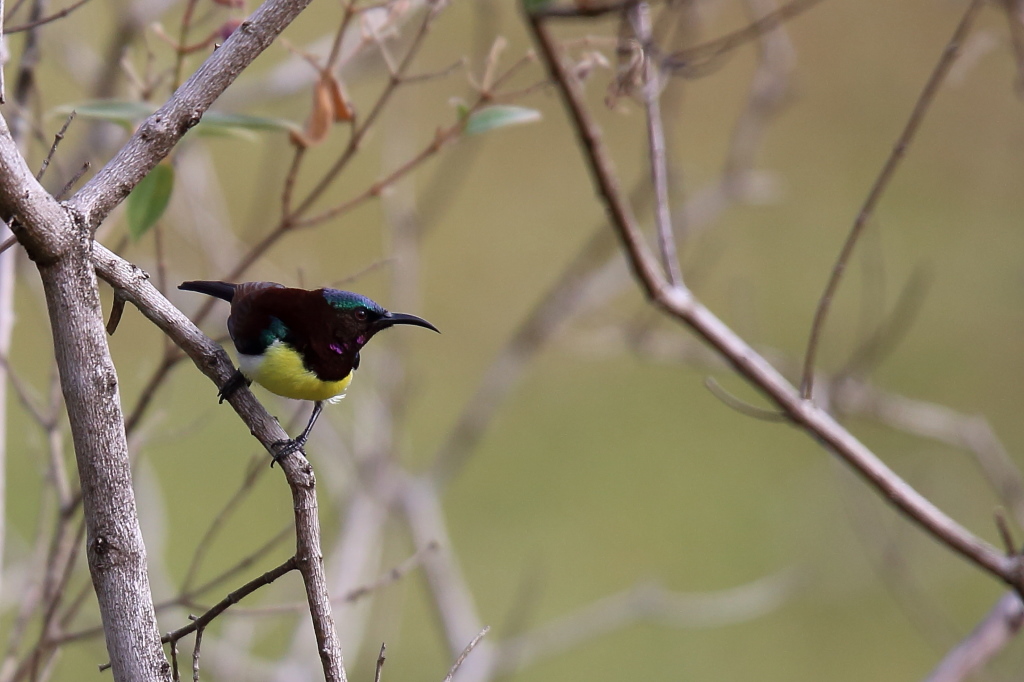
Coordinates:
[225,290]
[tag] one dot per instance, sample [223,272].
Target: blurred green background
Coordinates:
[606,467]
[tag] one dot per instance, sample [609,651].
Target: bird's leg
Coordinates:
[283,448]
[236,381]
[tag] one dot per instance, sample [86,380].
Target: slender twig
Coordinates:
[339,35]
[393,575]
[685,59]
[328,178]
[921,107]
[53,148]
[741,406]
[60,14]
[186,24]
[195,653]
[289,182]
[231,599]
[380,664]
[680,304]
[175,675]
[640,17]
[187,598]
[73,181]
[116,311]
[465,653]
[1004,533]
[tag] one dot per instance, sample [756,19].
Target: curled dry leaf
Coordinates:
[343,110]
[320,118]
[330,105]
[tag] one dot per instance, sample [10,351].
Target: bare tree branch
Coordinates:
[679,303]
[640,16]
[230,600]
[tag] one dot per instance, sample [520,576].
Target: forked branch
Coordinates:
[680,304]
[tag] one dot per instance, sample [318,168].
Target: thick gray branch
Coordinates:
[62,248]
[117,555]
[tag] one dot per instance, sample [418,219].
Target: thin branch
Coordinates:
[741,406]
[328,178]
[60,14]
[230,600]
[925,419]
[465,653]
[392,576]
[73,181]
[186,598]
[924,102]
[705,52]
[640,16]
[53,148]
[195,654]
[380,664]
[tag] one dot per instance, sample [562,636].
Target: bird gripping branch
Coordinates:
[298,343]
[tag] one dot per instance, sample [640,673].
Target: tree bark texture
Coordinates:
[61,246]
[116,552]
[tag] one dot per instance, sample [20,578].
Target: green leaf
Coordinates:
[123,112]
[241,125]
[534,5]
[149,200]
[499,116]
[214,123]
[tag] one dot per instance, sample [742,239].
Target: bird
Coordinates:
[298,343]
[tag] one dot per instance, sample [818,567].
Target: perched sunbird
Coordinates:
[298,343]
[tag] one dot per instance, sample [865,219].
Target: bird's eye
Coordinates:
[361,314]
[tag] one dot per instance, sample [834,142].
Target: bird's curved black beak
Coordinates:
[391,319]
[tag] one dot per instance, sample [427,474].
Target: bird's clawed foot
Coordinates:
[236,382]
[283,448]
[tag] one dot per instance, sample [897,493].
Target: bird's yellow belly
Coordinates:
[280,370]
